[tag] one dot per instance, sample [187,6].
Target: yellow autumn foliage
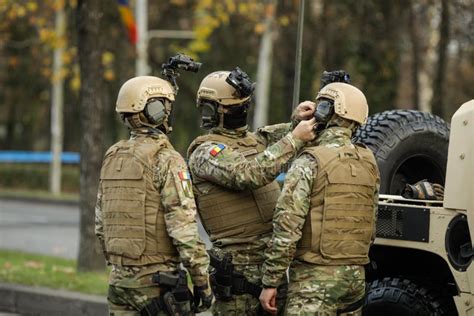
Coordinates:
[40,15]
[211,15]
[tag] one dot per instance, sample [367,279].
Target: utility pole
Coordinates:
[141,12]
[299,44]
[57,105]
[264,71]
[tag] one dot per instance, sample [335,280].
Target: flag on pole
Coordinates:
[128,19]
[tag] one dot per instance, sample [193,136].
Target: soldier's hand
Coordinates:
[268,300]
[304,110]
[424,190]
[304,131]
[202,298]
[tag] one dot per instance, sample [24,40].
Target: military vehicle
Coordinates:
[421,258]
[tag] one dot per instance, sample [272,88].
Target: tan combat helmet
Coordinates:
[136,108]
[349,102]
[135,92]
[215,88]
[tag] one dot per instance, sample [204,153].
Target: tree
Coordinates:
[440,75]
[415,68]
[89,16]
[264,71]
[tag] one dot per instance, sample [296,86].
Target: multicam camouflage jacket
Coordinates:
[230,169]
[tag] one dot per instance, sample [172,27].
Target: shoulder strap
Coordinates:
[322,154]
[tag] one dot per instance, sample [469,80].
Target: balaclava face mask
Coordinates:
[236,116]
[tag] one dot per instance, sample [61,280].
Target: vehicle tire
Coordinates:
[396,297]
[408,145]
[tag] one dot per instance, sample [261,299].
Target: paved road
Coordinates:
[44,228]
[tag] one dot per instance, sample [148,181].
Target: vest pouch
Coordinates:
[347,211]
[123,205]
[265,198]
[225,211]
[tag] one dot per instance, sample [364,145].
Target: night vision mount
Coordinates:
[175,63]
[334,76]
[241,82]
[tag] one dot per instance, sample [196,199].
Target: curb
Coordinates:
[40,200]
[40,301]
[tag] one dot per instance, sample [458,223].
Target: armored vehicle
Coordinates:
[421,258]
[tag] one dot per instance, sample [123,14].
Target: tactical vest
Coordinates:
[133,216]
[227,213]
[340,223]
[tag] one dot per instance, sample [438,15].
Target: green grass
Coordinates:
[36,177]
[56,273]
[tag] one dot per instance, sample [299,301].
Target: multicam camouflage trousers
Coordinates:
[130,301]
[246,304]
[322,290]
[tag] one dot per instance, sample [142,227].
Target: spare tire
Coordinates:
[408,145]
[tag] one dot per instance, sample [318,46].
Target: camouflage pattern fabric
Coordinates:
[180,218]
[128,302]
[246,304]
[232,170]
[322,290]
[290,215]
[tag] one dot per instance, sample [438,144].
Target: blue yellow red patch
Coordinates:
[184,175]
[216,149]
[185,181]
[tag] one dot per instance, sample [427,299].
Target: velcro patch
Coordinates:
[186,185]
[184,175]
[217,149]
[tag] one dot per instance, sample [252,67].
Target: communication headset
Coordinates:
[209,114]
[155,111]
[324,111]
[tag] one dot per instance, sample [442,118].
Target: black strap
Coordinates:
[154,307]
[352,307]
[237,282]
[240,285]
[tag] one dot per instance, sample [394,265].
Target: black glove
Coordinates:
[202,298]
[334,76]
[424,190]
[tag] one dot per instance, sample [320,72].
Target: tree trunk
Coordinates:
[412,25]
[264,71]
[440,75]
[10,114]
[89,15]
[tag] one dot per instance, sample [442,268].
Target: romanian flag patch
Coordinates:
[185,181]
[217,149]
[184,175]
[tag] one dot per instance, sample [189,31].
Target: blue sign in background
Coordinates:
[12,156]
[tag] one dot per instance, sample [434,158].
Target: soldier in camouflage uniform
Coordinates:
[145,212]
[234,174]
[324,220]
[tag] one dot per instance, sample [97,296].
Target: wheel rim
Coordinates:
[413,169]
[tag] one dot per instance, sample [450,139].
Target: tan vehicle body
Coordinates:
[429,235]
